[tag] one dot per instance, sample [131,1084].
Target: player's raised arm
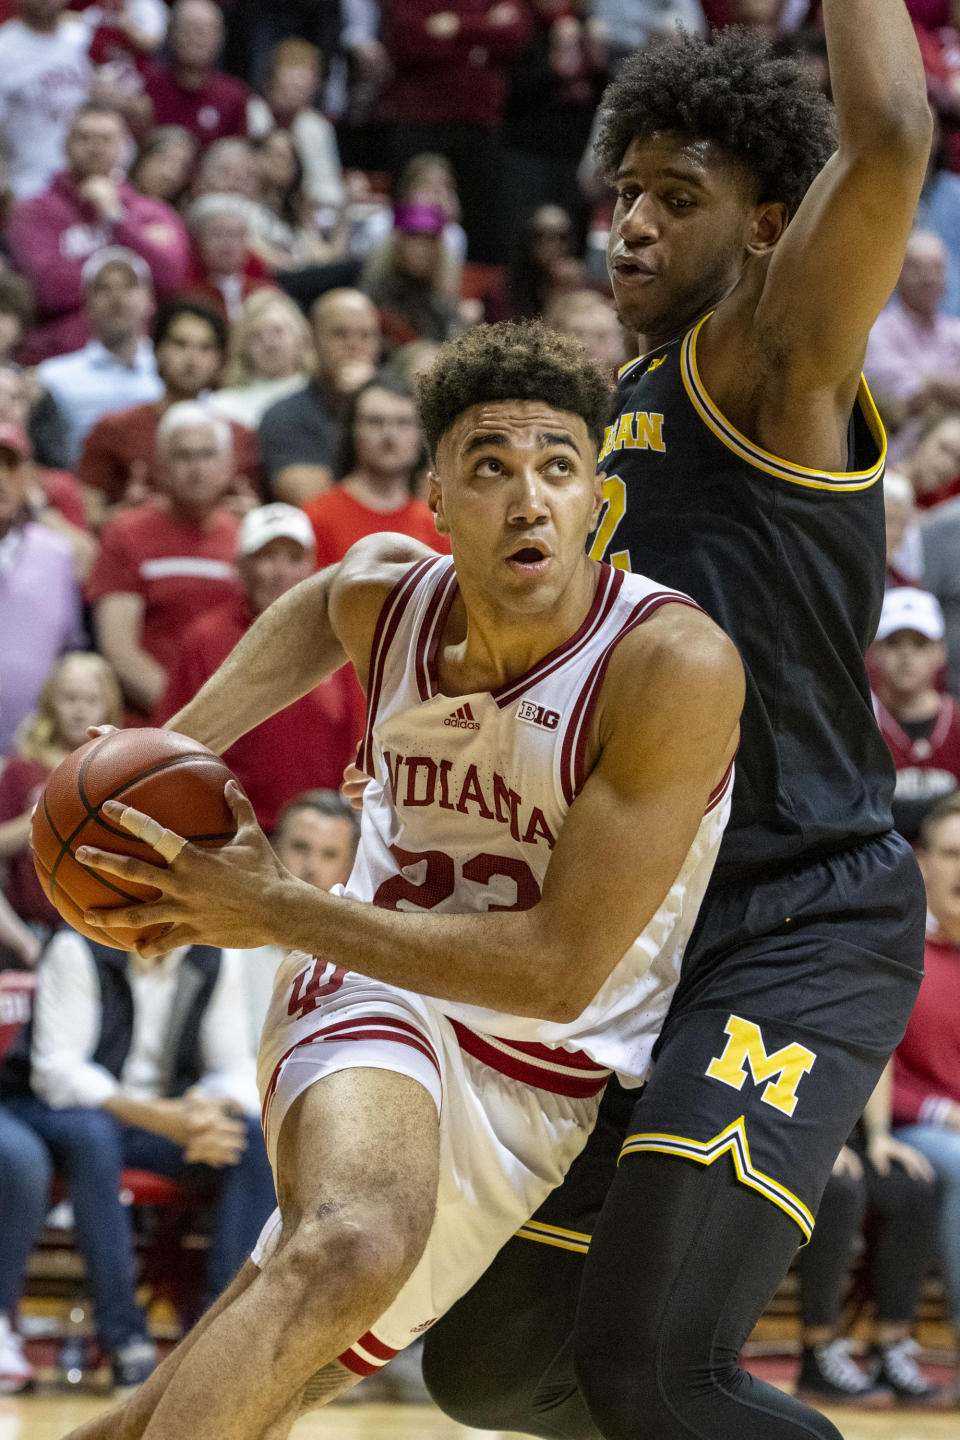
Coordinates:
[304,636]
[837,264]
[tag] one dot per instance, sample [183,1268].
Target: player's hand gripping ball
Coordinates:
[175,780]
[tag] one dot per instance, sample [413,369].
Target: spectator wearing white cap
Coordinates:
[920,725]
[165,562]
[86,207]
[307,745]
[116,368]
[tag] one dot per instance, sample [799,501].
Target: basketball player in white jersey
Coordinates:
[551,745]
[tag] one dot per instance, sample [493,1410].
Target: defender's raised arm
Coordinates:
[836,265]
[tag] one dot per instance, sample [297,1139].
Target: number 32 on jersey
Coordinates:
[614,509]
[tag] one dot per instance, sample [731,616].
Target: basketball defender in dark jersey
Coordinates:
[752,248]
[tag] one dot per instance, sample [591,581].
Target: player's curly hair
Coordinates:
[761,110]
[512,361]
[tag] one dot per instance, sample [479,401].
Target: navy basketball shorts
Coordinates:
[795,991]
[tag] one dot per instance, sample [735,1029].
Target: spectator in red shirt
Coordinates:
[87,207]
[920,725]
[451,64]
[307,745]
[933,463]
[224,269]
[81,690]
[167,561]
[118,465]
[381,453]
[926,1076]
[188,89]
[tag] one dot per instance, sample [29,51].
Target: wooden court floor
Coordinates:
[52,1417]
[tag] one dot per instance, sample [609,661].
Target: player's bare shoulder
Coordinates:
[365,578]
[675,681]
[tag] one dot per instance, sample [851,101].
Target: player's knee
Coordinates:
[356,1254]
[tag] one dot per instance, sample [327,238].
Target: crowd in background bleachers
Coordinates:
[231,234]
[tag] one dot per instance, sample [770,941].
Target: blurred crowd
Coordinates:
[231,236]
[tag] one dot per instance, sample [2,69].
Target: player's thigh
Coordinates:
[360,1140]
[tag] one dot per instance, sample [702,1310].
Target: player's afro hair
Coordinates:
[760,110]
[512,361]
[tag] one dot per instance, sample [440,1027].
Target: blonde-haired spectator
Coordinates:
[904,542]
[80,690]
[270,355]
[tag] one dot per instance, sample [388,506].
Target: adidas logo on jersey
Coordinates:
[462,719]
[538,715]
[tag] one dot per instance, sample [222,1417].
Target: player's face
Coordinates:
[680,230]
[909,662]
[516,489]
[189,357]
[317,849]
[941,872]
[78,703]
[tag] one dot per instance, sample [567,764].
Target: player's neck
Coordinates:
[487,644]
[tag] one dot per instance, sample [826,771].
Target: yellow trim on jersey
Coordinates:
[732,1140]
[761,459]
[562,1239]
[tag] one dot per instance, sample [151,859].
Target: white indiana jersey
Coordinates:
[469,795]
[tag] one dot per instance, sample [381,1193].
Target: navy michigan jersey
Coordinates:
[790,563]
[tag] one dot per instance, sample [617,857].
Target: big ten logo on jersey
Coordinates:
[782,1071]
[538,715]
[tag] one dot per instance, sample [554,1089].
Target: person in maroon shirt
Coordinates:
[308,745]
[926,1075]
[118,463]
[920,724]
[451,61]
[87,207]
[188,89]
[165,562]
[223,269]
[81,690]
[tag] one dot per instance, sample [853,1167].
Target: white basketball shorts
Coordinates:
[506,1139]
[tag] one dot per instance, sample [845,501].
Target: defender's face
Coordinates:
[677,240]
[517,491]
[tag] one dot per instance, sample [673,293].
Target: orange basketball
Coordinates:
[177,781]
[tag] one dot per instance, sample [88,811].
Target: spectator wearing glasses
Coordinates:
[381,452]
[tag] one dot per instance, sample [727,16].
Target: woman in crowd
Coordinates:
[543,263]
[164,163]
[282,223]
[271,354]
[80,690]
[933,463]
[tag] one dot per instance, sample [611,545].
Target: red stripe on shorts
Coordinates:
[527,1069]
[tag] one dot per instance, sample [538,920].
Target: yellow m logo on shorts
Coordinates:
[783,1070]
